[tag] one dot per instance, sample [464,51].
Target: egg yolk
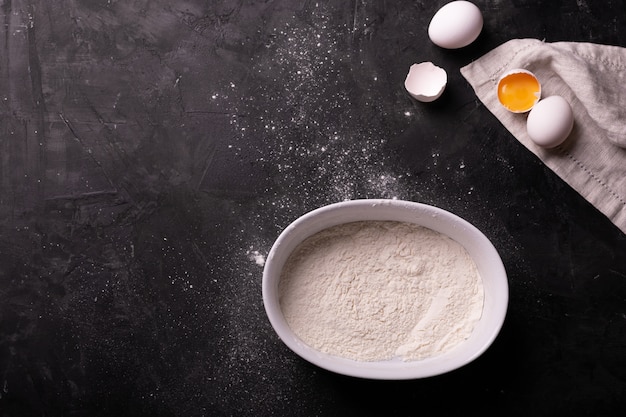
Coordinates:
[519,91]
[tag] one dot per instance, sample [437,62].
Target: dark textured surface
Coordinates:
[150,149]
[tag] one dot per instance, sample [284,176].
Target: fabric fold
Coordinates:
[592,78]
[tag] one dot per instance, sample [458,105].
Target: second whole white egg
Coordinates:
[455,25]
[550,122]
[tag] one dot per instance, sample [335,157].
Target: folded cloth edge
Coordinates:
[589,162]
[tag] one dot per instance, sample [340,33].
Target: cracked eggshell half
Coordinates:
[518,90]
[425,81]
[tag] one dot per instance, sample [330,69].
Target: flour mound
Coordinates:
[378,290]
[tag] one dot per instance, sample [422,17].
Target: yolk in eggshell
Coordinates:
[519,91]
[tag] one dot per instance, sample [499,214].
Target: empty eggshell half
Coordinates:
[426,81]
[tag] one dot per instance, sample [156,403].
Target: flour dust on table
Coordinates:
[304,117]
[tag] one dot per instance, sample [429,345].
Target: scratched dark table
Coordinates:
[151,152]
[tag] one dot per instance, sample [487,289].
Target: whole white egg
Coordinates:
[550,122]
[455,25]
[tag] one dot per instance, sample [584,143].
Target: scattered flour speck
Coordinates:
[257,257]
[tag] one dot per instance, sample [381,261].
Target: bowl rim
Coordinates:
[422,214]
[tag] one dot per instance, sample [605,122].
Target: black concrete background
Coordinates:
[151,151]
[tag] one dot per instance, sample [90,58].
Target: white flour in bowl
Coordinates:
[377,290]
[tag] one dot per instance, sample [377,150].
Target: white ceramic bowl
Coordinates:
[488,262]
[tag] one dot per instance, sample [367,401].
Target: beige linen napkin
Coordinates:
[592,78]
